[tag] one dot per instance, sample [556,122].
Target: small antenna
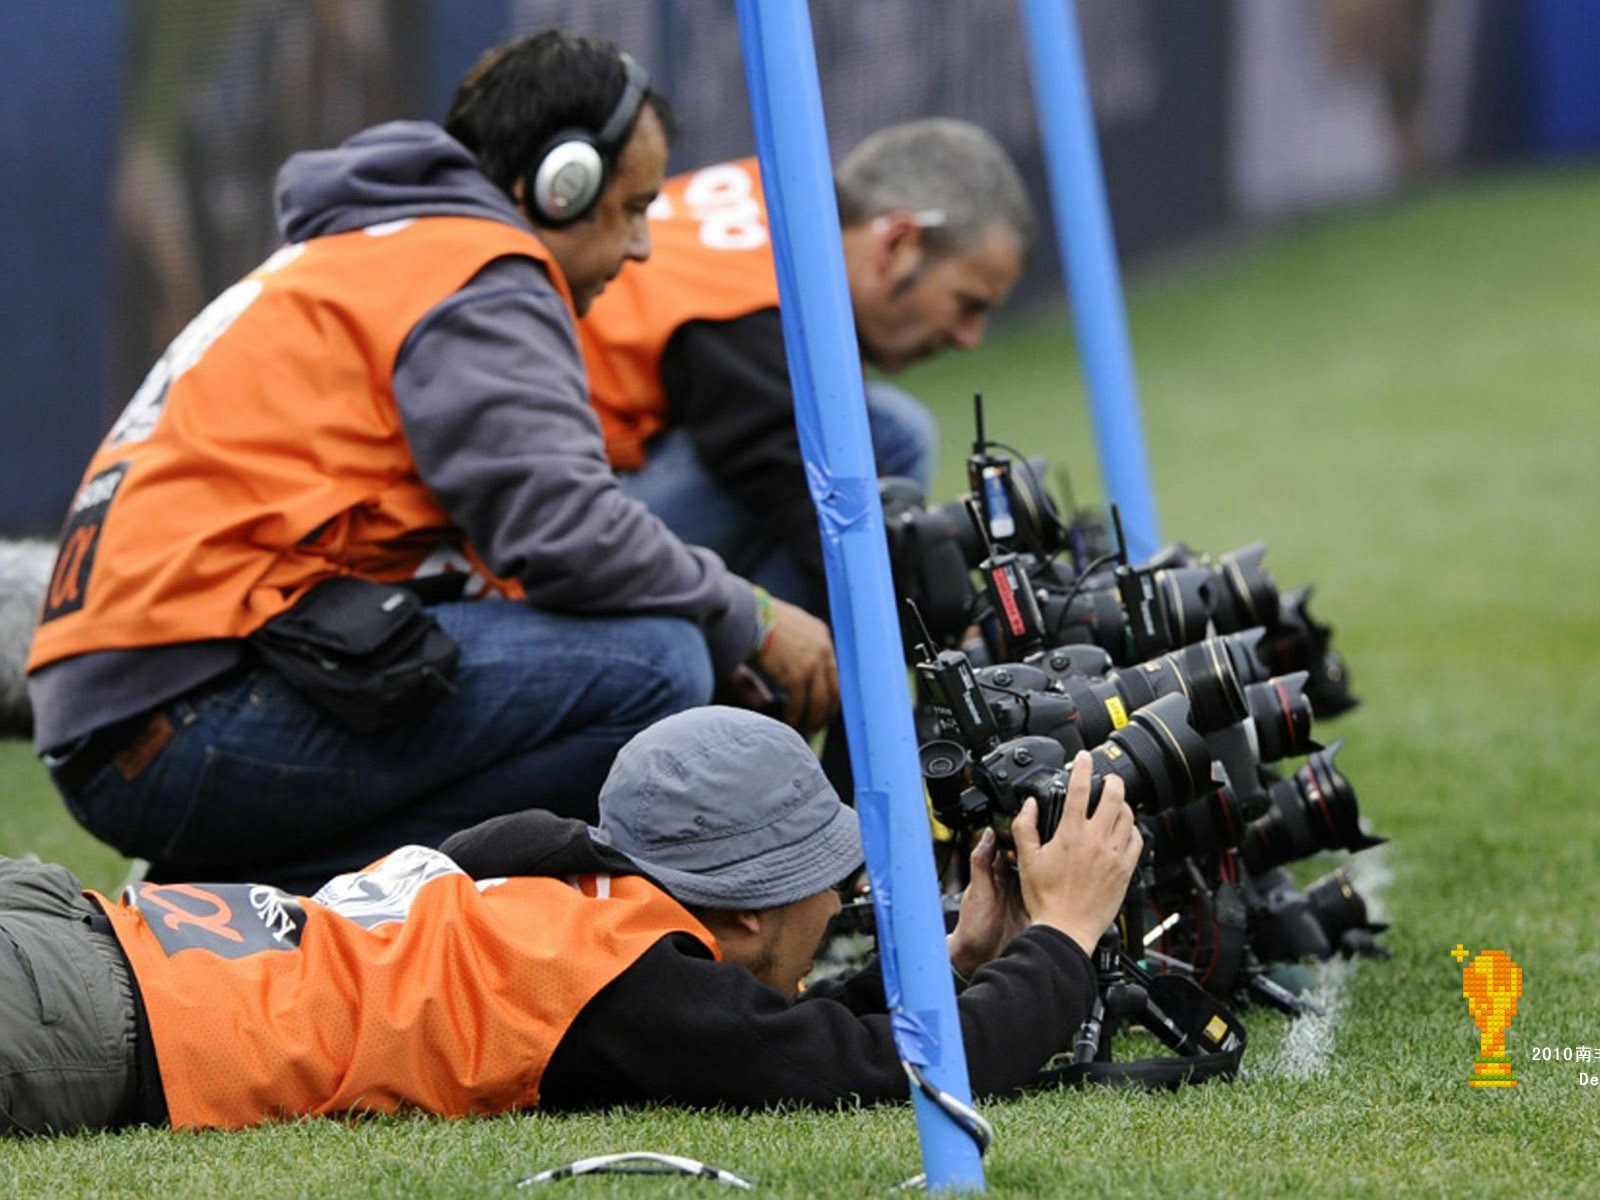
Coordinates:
[979,443]
[928,643]
[1122,542]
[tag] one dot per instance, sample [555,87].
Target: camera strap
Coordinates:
[1208,1041]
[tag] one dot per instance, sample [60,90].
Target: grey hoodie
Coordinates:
[494,401]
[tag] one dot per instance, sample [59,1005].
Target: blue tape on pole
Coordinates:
[831,414]
[843,505]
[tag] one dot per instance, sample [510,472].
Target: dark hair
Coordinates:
[519,95]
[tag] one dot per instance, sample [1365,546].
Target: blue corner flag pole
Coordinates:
[831,414]
[1089,262]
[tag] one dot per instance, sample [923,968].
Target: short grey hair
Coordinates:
[941,165]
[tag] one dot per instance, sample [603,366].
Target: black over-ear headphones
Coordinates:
[569,173]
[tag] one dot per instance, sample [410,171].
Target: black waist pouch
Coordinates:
[366,651]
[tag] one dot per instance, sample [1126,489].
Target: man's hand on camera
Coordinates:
[1076,881]
[799,661]
[991,909]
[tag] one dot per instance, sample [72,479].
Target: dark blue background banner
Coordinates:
[139,138]
[59,104]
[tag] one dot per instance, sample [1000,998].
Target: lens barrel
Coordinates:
[1312,810]
[1281,716]
[1162,760]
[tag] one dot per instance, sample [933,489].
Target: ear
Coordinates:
[741,935]
[747,921]
[519,197]
[732,923]
[897,252]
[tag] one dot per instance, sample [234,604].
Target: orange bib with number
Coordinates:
[710,260]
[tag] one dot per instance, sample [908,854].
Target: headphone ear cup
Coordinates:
[566,180]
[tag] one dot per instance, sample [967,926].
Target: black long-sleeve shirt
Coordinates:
[727,387]
[679,1027]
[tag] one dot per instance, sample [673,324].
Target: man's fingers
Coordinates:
[744,687]
[800,659]
[982,856]
[1025,828]
[1135,847]
[807,716]
[822,700]
[818,699]
[1112,805]
[830,686]
[1076,803]
[800,703]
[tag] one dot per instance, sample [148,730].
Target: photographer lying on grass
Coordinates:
[533,961]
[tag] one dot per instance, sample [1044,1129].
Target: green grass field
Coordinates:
[1400,402]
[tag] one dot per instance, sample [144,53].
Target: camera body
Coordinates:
[1160,757]
[952,568]
[1191,679]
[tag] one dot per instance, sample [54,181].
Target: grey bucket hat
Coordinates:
[726,808]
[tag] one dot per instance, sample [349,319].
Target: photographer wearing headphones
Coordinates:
[351,570]
[686,353]
[533,961]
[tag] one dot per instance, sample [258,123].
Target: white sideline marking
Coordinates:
[1309,1044]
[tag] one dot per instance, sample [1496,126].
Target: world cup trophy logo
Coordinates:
[1492,984]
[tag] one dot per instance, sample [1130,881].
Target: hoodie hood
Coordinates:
[391,172]
[533,842]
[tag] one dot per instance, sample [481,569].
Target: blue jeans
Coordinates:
[259,784]
[676,486]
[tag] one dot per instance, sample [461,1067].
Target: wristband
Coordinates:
[766,624]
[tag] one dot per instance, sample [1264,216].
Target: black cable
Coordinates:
[966,1118]
[1077,586]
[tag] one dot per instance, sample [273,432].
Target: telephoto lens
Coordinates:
[1342,913]
[1249,595]
[1212,823]
[1202,672]
[1283,929]
[1312,810]
[1298,641]
[1162,759]
[1280,717]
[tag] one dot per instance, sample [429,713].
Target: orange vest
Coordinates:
[710,260]
[407,985]
[264,450]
